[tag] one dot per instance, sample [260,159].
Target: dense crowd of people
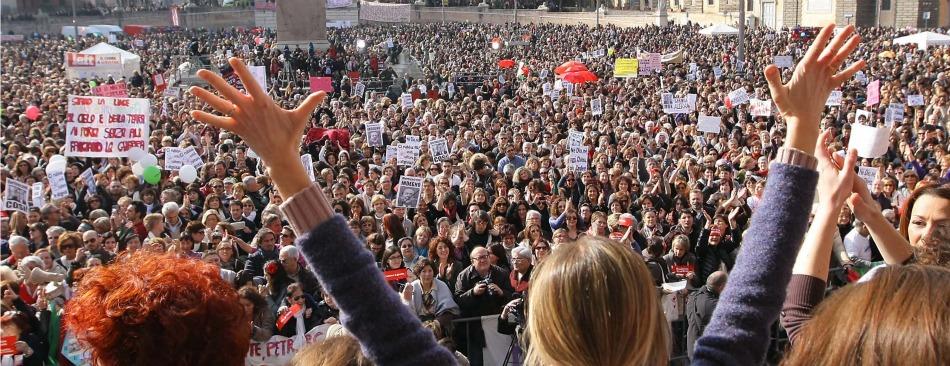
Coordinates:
[506,197]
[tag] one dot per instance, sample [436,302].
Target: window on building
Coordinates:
[885,4]
[711,2]
[748,6]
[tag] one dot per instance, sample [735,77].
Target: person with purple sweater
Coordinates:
[391,335]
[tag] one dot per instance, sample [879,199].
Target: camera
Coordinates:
[487,283]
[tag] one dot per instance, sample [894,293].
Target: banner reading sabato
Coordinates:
[279,350]
[104,126]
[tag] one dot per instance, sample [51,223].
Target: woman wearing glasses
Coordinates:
[307,314]
[429,297]
[69,244]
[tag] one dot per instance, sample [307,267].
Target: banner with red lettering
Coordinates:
[104,126]
[116,90]
[87,65]
[279,350]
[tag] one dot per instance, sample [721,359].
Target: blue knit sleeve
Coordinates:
[739,331]
[389,333]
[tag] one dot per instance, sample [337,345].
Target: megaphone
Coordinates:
[38,276]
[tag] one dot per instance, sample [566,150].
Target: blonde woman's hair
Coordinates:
[899,317]
[599,297]
[332,351]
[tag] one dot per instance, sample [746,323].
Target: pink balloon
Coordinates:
[32,112]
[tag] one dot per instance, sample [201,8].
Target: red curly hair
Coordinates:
[156,309]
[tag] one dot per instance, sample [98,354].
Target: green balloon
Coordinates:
[152,175]
[92,83]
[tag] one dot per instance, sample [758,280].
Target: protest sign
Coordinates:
[413,140]
[893,114]
[58,185]
[394,275]
[191,157]
[407,154]
[578,158]
[874,93]
[260,75]
[406,100]
[569,89]
[140,43]
[280,350]
[740,66]
[501,79]
[105,127]
[575,138]
[172,91]
[868,174]
[38,193]
[760,108]
[174,157]
[451,88]
[319,83]
[649,63]
[738,96]
[546,89]
[359,89]
[861,77]
[89,179]
[374,134]
[871,142]
[116,90]
[439,148]
[834,99]
[915,100]
[90,66]
[717,71]
[691,102]
[625,68]
[709,124]
[783,62]
[693,72]
[544,74]
[307,161]
[16,197]
[596,107]
[8,345]
[392,152]
[410,191]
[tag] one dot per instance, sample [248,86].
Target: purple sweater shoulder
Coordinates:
[739,331]
[388,332]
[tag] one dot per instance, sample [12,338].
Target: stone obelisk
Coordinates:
[302,22]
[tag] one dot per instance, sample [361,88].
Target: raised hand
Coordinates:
[803,98]
[834,184]
[271,131]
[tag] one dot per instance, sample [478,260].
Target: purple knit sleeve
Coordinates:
[369,309]
[739,331]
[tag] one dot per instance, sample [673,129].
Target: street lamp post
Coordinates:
[741,31]
[516,11]
[75,26]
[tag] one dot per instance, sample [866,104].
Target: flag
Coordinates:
[286,316]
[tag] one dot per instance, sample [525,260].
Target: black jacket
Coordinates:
[699,310]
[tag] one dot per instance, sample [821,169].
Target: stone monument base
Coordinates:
[318,44]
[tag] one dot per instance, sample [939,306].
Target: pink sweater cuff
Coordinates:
[306,209]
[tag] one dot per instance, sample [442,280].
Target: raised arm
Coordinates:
[810,273]
[752,300]
[893,246]
[344,268]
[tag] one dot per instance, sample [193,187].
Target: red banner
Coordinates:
[8,345]
[116,90]
[396,274]
[286,316]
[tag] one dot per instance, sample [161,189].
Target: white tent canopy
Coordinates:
[719,30]
[924,39]
[130,63]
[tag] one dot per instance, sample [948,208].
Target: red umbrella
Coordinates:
[579,77]
[506,64]
[574,65]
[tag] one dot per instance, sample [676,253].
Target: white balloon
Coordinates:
[136,153]
[148,160]
[56,166]
[187,173]
[137,169]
